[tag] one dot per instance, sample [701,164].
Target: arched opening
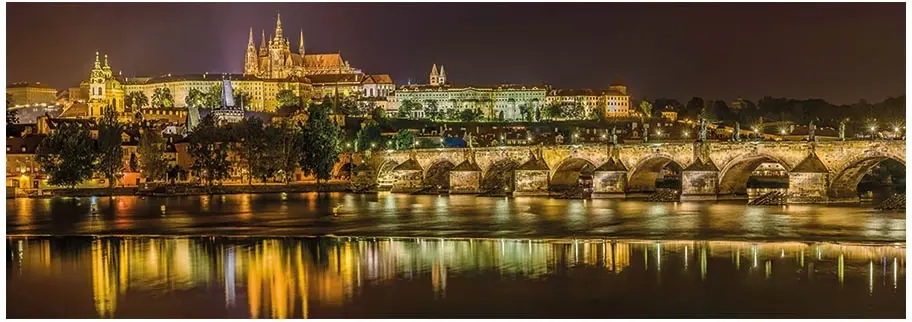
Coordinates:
[573,175]
[499,176]
[655,173]
[437,176]
[871,179]
[754,176]
[385,176]
[344,171]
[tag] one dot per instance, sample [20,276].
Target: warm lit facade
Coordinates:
[262,91]
[30,94]
[495,101]
[614,102]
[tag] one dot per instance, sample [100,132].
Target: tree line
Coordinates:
[71,155]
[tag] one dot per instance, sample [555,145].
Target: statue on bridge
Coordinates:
[737,134]
[842,125]
[811,128]
[614,137]
[702,136]
[645,132]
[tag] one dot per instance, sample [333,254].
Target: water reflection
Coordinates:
[287,278]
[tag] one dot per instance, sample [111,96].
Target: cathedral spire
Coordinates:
[278,30]
[250,39]
[301,43]
[97,62]
[263,42]
[434,79]
[442,78]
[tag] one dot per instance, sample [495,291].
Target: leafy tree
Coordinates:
[432,111]
[213,97]
[67,155]
[552,111]
[407,107]
[151,149]
[322,140]
[12,116]
[402,140]
[284,148]
[723,112]
[470,115]
[378,113]
[694,108]
[162,97]
[110,152]
[347,106]
[572,111]
[526,112]
[210,158]
[175,172]
[369,136]
[195,98]
[242,98]
[133,165]
[287,97]
[645,109]
[136,100]
[251,147]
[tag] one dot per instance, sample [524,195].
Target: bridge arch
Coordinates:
[568,173]
[499,175]
[642,178]
[385,175]
[342,169]
[844,184]
[438,174]
[735,174]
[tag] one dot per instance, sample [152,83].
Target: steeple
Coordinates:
[434,76]
[97,62]
[301,43]
[278,29]
[442,78]
[263,42]
[250,39]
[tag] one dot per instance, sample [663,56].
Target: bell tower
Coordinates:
[250,59]
[434,78]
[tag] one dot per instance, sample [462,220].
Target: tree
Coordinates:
[402,140]
[251,147]
[67,155]
[527,112]
[322,140]
[133,164]
[645,110]
[432,111]
[287,97]
[378,113]
[470,115]
[694,108]
[136,100]
[242,98]
[210,158]
[12,116]
[213,97]
[572,111]
[347,106]
[162,97]
[552,111]
[110,152]
[724,113]
[284,152]
[195,98]
[407,107]
[369,136]
[151,150]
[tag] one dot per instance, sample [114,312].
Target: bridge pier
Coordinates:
[700,179]
[609,180]
[364,178]
[465,178]
[808,181]
[532,178]
[408,177]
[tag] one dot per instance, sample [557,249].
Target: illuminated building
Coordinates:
[503,102]
[614,102]
[30,94]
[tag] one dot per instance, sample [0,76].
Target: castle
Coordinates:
[276,60]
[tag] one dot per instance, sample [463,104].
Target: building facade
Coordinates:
[30,94]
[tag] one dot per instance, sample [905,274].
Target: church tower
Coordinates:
[434,78]
[250,59]
[442,78]
[301,44]
[105,89]
[278,52]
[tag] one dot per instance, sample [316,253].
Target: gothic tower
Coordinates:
[278,52]
[301,44]
[442,78]
[434,78]
[250,59]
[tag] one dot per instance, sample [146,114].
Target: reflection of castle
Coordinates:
[281,277]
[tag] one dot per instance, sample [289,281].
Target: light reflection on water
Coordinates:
[311,214]
[356,277]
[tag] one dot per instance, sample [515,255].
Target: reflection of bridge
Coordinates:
[819,172]
[281,278]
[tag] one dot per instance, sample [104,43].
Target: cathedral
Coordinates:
[275,60]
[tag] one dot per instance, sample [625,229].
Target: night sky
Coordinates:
[839,52]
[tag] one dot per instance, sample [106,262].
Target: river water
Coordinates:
[277,256]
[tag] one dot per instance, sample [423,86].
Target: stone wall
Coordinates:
[608,184]
[465,182]
[531,183]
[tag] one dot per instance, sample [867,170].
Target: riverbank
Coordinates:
[187,190]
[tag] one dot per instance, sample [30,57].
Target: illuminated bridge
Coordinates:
[818,172]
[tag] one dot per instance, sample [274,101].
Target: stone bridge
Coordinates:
[817,172]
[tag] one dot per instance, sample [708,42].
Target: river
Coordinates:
[345,255]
